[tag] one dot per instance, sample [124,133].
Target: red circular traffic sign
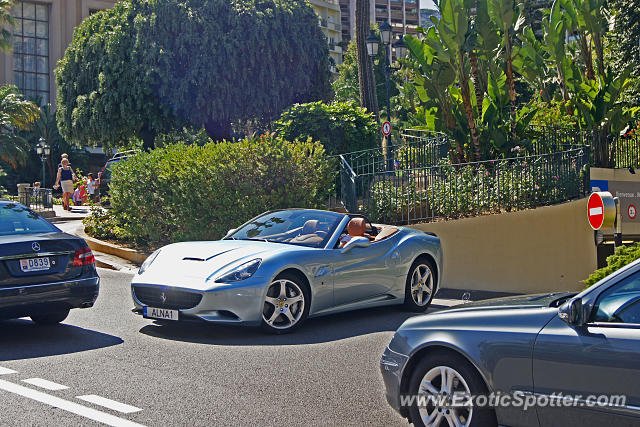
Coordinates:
[595,211]
[386,128]
[632,211]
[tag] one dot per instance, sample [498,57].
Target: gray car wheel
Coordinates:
[286,304]
[420,285]
[438,378]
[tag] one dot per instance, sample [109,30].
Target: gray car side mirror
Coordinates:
[572,312]
[356,242]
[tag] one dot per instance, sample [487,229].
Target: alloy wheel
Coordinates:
[442,383]
[283,304]
[422,285]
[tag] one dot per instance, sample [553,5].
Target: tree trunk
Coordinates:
[368,95]
[597,41]
[586,55]
[512,86]
[466,101]
[218,130]
[477,81]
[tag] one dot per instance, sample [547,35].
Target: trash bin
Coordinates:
[23,193]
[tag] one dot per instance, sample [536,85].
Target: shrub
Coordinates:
[624,255]
[341,126]
[181,192]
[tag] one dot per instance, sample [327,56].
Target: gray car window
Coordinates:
[620,303]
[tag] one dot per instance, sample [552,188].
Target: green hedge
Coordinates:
[341,126]
[181,192]
[624,255]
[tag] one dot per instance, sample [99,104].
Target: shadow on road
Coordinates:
[316,330]
[22,339]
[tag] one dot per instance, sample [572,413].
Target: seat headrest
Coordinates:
[357,227]
[310,227]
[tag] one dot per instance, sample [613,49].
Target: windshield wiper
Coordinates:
[256,240]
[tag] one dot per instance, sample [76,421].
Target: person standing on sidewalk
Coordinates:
[65,177]
[91,187]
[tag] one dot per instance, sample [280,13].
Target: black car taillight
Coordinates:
[83,256]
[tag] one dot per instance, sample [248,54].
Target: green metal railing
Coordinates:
[416,181]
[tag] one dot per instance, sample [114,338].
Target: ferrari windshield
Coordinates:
[297,227]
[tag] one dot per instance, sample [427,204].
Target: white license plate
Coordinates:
[35,264]
[160,313]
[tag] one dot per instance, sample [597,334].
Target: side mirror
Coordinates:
[572,312]
[356,242]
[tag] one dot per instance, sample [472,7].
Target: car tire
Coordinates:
[424,285]
[278,299]
[50,318]
[465,378]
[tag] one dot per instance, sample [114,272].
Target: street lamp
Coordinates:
[386,33]
[43,151]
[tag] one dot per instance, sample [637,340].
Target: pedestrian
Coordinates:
[65,178]
[63,156]
[91,187]
[76,197]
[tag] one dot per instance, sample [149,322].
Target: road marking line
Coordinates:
[66,405]
[48,385]
[6,371]
[108,403]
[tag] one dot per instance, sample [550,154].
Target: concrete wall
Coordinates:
[539,250]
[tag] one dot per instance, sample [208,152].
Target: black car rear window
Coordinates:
[16,219]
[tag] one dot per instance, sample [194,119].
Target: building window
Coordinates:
[31,50]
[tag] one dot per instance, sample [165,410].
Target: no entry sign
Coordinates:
[386,128]
[601,210]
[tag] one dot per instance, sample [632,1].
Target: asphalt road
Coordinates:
[324,374]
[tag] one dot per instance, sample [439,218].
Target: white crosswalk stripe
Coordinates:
[46,384]
[108,403]
[6,371]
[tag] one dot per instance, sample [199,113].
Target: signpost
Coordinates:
[603,211]
[386,128]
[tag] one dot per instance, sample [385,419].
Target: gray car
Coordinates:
[284,266]
[574,358]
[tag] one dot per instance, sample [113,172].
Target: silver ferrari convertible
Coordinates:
[284,266]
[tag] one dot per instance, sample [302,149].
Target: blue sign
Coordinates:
[599,185]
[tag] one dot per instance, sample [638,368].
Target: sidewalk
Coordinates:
[76,213]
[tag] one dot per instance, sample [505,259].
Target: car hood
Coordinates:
[193,264]
[525,313]
[519,301]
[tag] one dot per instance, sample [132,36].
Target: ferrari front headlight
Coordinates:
[241,272]
[147,262]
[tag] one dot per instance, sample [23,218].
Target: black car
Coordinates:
[43,272]
[104,177]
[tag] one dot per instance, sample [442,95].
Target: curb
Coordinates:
[111,249]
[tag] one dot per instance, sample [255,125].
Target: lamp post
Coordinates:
[386,33]
[43,151]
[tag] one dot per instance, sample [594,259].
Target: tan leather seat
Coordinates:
[358,227]
[310,227]
[386,231]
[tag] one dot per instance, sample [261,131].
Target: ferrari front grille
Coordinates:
[173,299]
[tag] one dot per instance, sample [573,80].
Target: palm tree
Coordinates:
[6,20]
[16,114]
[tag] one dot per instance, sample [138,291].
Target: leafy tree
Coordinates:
[148,66]
[624,43]
[340,127]
[6,21]
[16,114]
[346,86]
